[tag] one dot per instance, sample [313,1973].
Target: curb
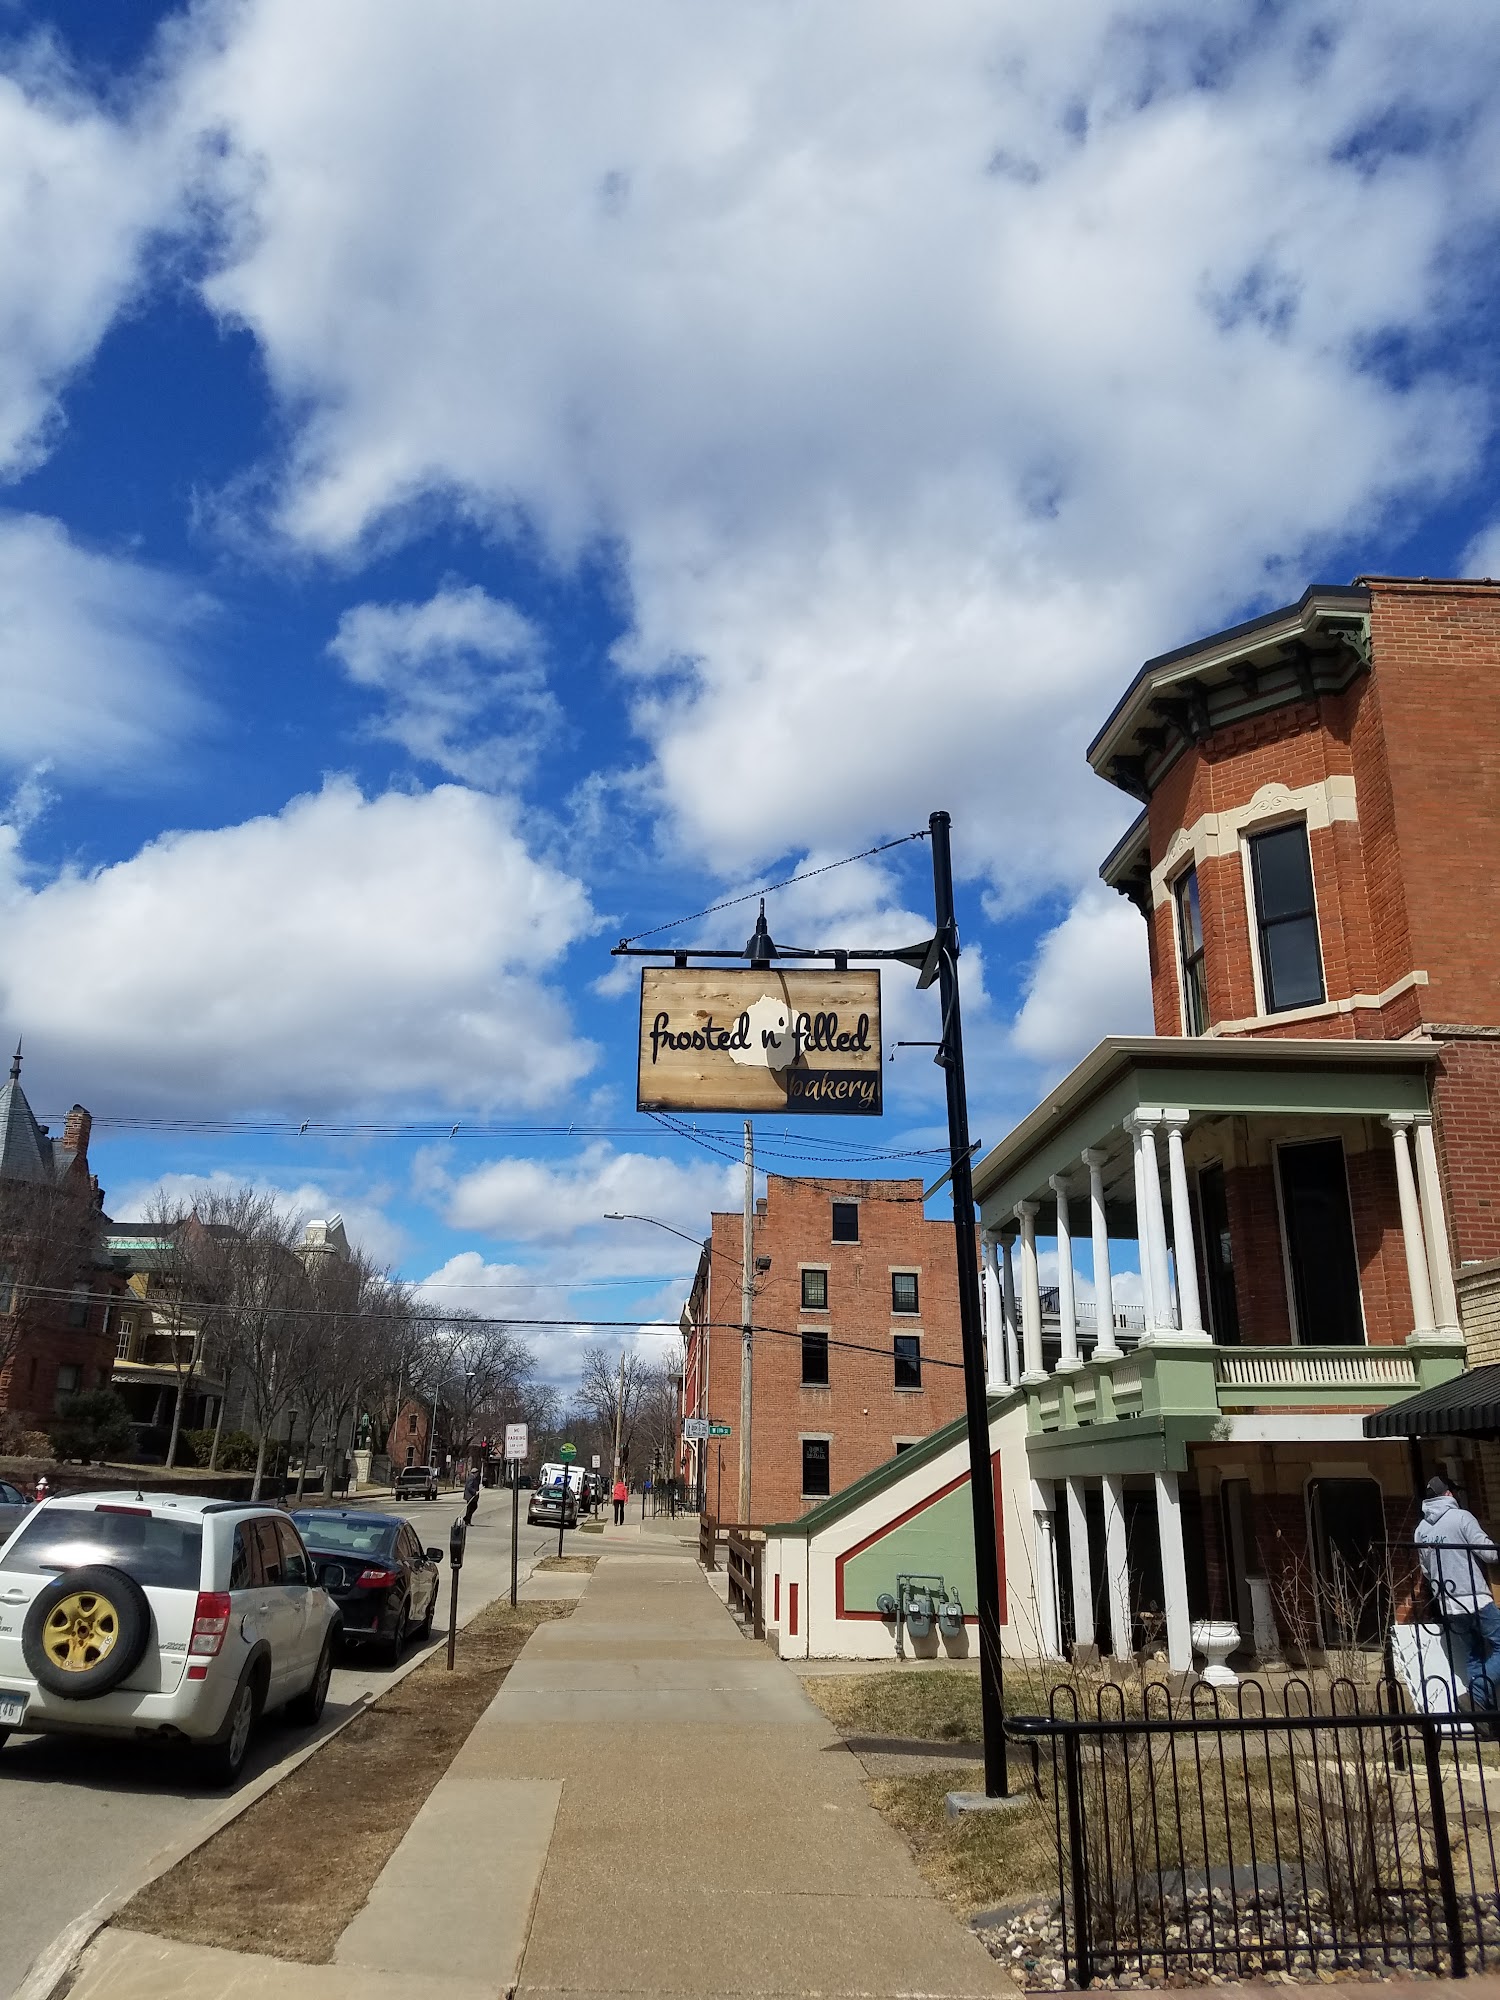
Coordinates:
[50,1973]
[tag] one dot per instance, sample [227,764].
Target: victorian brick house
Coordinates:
[57,1284]
[1306,1155]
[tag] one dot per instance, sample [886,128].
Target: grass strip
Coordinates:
[288,1876]
[980,1859]
[569,1565]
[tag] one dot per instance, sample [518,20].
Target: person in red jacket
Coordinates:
[621,1495]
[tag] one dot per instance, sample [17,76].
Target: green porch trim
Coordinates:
[887,1474]
[1130,1445]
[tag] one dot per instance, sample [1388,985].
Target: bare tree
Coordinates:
[609,1396]
[261,1296]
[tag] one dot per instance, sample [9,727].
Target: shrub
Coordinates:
[95,1424]
[236,1450]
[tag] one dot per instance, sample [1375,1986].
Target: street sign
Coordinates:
[778,1041]
[695,1428]
[568,1451]
[515,1441]
[721,1430]
[594,1461]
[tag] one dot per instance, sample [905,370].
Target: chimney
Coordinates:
[76,1130]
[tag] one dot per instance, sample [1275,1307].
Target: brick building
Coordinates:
[856,1353]
[57,1284]
[1308,1152]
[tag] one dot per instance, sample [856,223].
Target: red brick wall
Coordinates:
[1466,1106]
[1437,664]
[28,1383]
[861,1409]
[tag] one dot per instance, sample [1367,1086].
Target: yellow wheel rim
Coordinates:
[81,1630]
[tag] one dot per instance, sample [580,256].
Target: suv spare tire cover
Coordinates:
[86,1632]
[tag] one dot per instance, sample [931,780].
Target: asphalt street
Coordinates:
[81,1816]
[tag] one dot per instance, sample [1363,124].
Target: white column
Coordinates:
[1031,1297]
[1435,1227]
[1049,1631]
[1078,1562]
[1117,1565]
[1411,1231]
[1142,1226]
[1104,1298]
[1067,1306]
[1189,1306]
[1173,1573]
[1153,1224]
[994,1316]
[1012,1315]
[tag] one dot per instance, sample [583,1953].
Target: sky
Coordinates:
[477,481]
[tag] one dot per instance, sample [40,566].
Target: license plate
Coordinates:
[12,1710]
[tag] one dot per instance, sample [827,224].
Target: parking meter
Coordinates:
[458,1534]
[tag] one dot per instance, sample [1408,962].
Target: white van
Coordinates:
[562,1475]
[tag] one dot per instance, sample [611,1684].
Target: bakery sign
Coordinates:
[772,1041]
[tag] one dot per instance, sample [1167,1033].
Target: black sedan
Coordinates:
[377,1572]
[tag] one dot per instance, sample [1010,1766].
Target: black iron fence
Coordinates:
[1234,1834]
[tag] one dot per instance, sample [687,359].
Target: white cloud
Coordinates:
[545,1202]
[93,673]
[367,1224]
[926,367]
[340,952]
[1090,978]
[463,678]
[81,191]
[1482,556]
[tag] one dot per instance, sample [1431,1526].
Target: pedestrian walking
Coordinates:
[471,1495]
[622,1494]
[1453,1550]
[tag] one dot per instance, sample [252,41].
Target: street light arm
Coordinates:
[614,1215]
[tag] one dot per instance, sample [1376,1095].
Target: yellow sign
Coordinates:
[773,1041]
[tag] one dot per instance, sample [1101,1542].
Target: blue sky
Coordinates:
[479,480]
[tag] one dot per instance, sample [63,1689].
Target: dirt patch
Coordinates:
[288,1877]
[569,1565]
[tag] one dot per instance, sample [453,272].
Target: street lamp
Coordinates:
[438,1387]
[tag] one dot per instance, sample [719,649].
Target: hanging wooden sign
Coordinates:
[748,1041]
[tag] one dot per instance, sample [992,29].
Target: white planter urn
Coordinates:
[1216,1639]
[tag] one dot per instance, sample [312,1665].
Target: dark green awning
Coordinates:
[1467,1406]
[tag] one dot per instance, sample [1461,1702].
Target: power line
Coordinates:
[731,902]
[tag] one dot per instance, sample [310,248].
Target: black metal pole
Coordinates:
[976,1398]
[515,1525]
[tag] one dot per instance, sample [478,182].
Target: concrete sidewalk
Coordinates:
[713,1835]
[649,1807]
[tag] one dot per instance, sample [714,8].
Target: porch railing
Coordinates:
[1340,1369]
[1230,1835]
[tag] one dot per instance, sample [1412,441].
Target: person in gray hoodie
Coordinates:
[1453,1550]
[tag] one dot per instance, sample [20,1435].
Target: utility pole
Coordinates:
[619,1411]
[981,1481]
[747,1313]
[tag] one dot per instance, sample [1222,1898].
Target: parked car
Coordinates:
[377,1572]
[417,1482]
[168,1617]
[14,1506]
[548,1502]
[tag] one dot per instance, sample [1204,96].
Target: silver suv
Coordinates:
[154,1616]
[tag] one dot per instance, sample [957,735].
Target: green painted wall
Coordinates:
[939,1540]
